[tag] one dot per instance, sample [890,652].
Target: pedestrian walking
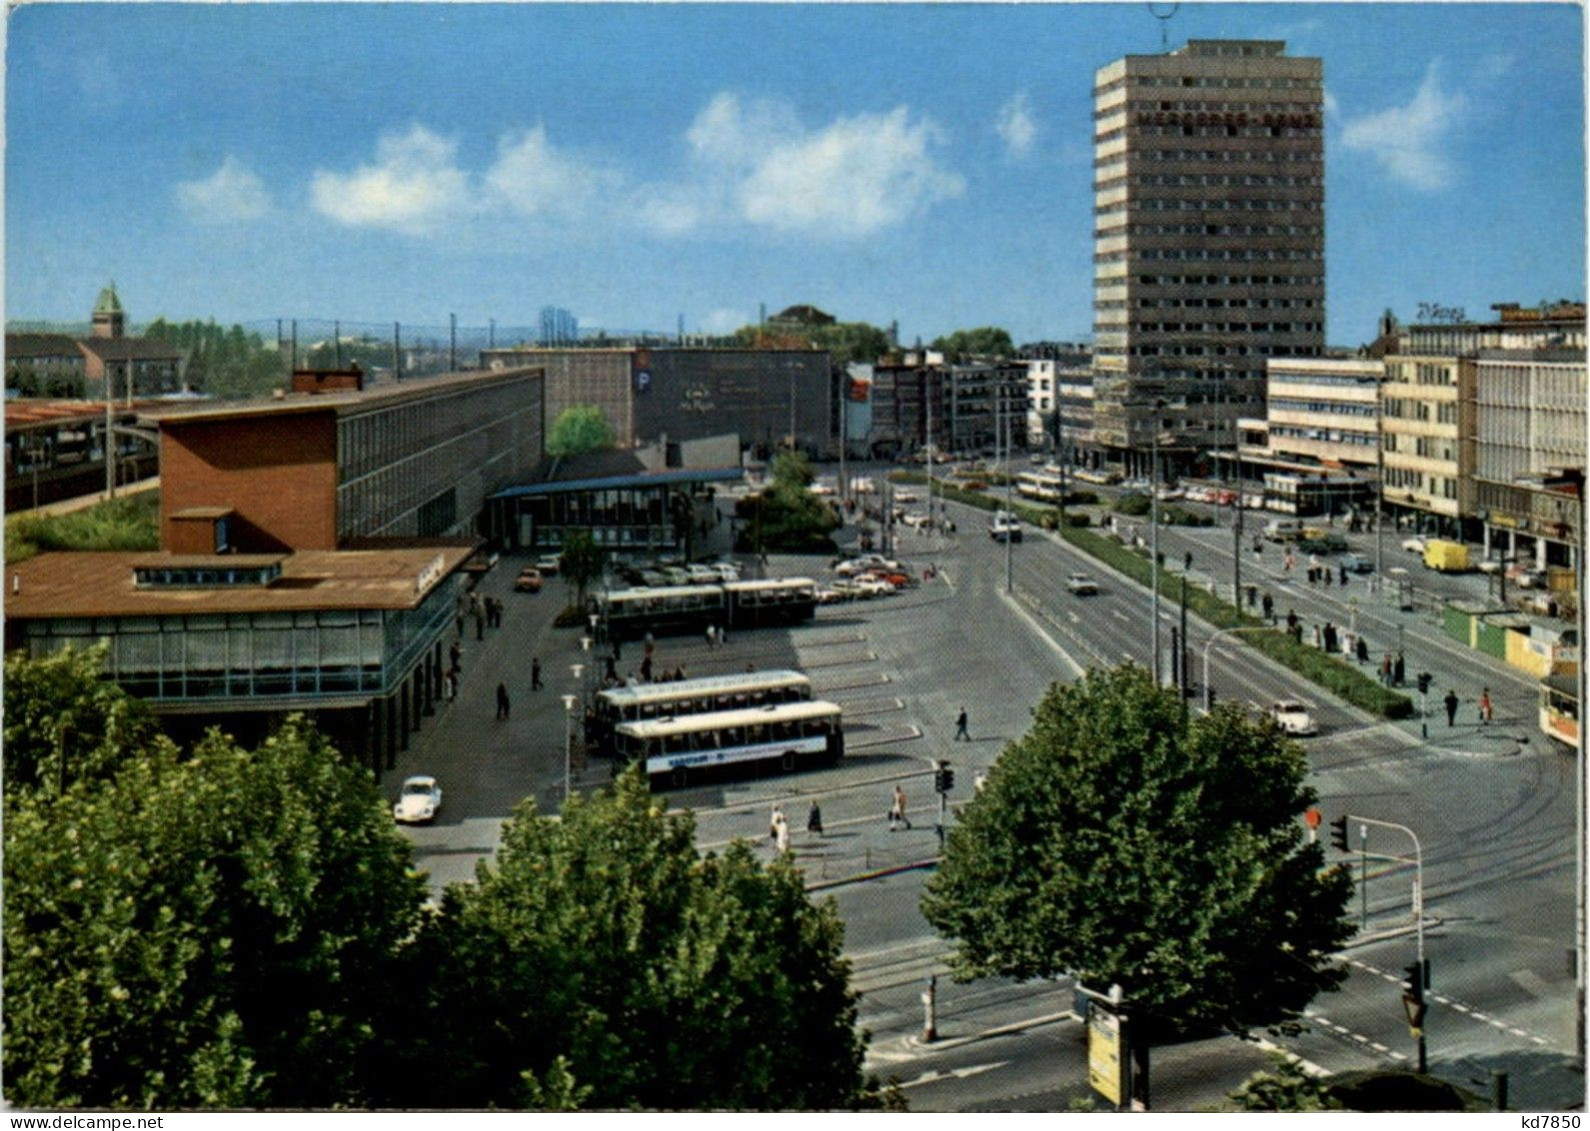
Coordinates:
[712,636]
[775,819]
[535,672]
[645,669]
[1385,669]
[960,727]
[1325,572]
[1451,702]
[723,636]
[455,654]
[1362,651]
[897,815]
[1343,578]
[449,688]
[1329,634]
[1291,619]
[1485,706]
[1399,670]
[1269,608]
[502,701]
[814,820]
[781,836]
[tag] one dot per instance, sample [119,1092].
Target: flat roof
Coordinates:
[91,584]
[609,482]
[26,412]
[341,401]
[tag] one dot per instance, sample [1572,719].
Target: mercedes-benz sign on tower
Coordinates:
[1209,252]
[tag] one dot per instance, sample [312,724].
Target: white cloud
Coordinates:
[231,194]
[852,177]
[1015,125]
[533,178]
[1332,106]
[1407,139]
[412,184]
[722,321]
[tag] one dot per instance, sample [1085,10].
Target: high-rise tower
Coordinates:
[1209,239]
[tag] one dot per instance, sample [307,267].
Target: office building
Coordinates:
[1209,254]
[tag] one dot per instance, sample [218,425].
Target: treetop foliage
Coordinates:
[601,961]
[985,341]
[1119,842]
[844,341]
[226,362]
[211,932]
[579,429]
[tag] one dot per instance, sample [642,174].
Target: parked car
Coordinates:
[1413,545]
[1293,718]
[828,595]
[906,497]
[912,518]
[865,562]
[870,586]
[1082,585]
[653,577]
[726,571]
[528,581]
[549,564]
[1357,563]
[675,575]
[702,575]
[418,801]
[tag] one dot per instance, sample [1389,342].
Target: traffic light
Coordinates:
[1339,833]
[943,779]
[1413,983]
[1424,683]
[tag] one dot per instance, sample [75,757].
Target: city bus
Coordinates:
[703,695]
[1042,486]
[628,614]
[782,737]
[772,601]
[1559,709]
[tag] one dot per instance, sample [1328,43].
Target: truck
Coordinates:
[1446,557]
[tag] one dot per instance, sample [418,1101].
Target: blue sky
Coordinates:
[929,164]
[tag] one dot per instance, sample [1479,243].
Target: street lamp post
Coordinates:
[1153,522]
[568,742]
[1210,643]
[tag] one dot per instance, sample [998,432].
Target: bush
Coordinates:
[1133,504]
[1180,516]
[1082,498]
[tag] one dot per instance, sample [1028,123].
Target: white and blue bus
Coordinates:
[781,737]
[734,692]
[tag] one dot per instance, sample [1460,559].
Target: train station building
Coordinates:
[312,557]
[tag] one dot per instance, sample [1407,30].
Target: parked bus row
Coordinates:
[703,695]
[629,614]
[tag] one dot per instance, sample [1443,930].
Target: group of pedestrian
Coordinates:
[716,636]
[1393,669]
[1451,702]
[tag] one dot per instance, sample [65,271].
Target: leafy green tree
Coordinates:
[1120,842]
[582,561]
[602,962]
[579,429]
[64,723]
[218,931]
[226,362]
[785,515]
[985,341]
